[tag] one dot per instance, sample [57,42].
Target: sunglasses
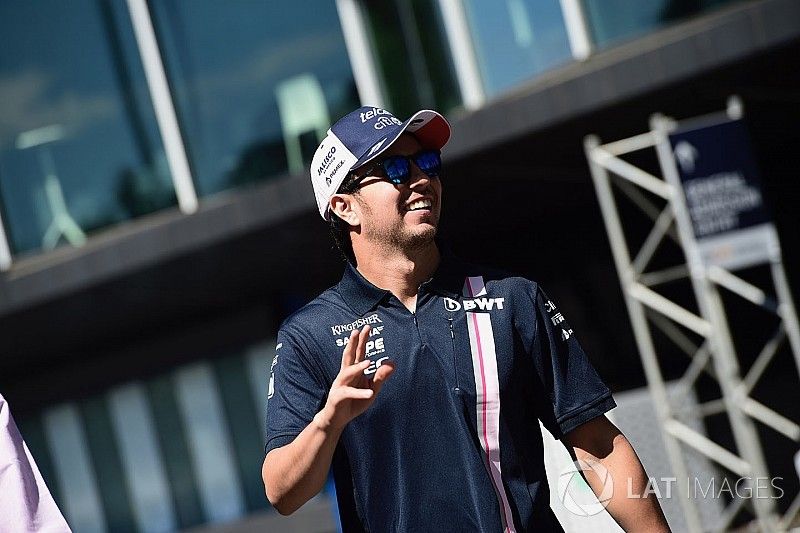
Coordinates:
[397,168]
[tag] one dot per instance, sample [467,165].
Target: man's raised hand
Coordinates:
[352,392]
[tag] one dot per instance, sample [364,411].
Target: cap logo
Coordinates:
[384,122]
[326,162]
[372,113]
[376,147]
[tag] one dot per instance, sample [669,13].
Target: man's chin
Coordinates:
[422,235]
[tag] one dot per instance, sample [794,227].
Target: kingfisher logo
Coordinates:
[356,324]
[474,304]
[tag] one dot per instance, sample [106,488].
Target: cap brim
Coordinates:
[429,127]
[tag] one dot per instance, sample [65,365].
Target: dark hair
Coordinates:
[339,229]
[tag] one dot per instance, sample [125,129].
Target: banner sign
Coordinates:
[722,187]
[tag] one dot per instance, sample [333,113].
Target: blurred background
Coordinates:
[158,221]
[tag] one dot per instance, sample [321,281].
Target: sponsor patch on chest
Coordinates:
[474,304]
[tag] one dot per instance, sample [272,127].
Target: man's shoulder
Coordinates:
[325,307]
[494,278]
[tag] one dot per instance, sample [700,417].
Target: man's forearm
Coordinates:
[639,513]
[295,473]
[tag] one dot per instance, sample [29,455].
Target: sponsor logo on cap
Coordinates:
[385,119]
[326,163]
[372,113]
[376,147]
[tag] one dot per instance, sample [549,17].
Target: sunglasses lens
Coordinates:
[397,169]
[429,162]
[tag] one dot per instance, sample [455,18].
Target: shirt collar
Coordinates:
[362,296]
[448,280]
[358,292]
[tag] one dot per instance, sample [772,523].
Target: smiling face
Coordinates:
[401,217]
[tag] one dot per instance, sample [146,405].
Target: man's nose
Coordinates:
[418,177]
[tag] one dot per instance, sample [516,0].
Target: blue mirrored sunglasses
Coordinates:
[397,168]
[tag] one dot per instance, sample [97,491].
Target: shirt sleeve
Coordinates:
[570,392]
[296,392]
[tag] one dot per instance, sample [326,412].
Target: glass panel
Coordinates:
[141,457]
[208,437]
[79,145]
[259,361]
[105,458]
[172,439]
[615,20]
[246,439]
[256,83]
[409,42]
[82,504]
[516,39]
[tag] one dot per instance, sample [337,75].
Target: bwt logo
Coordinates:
[474,304]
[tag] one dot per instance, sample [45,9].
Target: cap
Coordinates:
[362,135]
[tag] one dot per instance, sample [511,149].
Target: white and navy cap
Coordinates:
[362,135]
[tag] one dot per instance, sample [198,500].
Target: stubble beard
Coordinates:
[400,237]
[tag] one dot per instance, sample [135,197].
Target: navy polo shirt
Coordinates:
[452,442]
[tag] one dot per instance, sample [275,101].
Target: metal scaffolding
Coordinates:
[648,307]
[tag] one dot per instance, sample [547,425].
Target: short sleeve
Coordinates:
[296,393]
[571,392]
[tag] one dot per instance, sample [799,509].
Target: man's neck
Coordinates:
[400,272]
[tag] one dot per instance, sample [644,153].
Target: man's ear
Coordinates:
[343,206]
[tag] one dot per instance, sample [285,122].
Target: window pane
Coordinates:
[615,20]
[516,39]
[409,43]
[79,145]
[256,83]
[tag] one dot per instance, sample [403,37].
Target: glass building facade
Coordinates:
[79,144]
[171,452]
[613,21]
[516,39]
[253,84]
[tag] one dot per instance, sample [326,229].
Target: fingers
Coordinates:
[357,393]
[348,354]
[362,343]
[352,372]
[356,346]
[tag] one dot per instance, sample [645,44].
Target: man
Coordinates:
[421,379]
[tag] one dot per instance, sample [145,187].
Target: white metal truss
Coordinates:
[716,354]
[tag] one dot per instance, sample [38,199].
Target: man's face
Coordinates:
[394,215]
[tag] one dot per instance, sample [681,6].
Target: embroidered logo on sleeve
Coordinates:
[271,390]
[558,318]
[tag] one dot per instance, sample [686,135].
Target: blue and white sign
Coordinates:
[731,224]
